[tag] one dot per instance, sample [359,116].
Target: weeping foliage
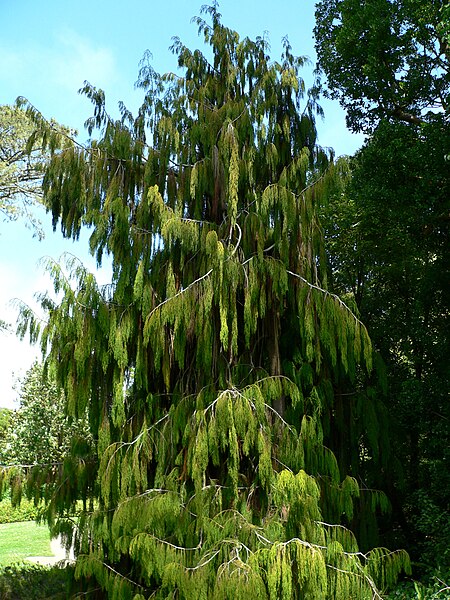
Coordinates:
[214,365]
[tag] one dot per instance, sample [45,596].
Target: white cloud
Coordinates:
[80,60]
[11,64]
[16,355]
[19,357]
[50,73]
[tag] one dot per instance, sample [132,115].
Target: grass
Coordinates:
[19,540]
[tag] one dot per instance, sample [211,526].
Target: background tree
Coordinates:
[388,231]
[216,366]
[385,59]
[394,262]
[5,424]
[39,436]
[23,155]
[39,430]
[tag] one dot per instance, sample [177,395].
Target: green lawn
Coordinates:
[19,540]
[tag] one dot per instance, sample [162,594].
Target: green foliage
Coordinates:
[26,511]
[385,59]
[24,581]
[398,280]
[434,586]
[6,416]
[39,432]
[219,373]
[23,157]
[4,326]
[41,441]
[432,523]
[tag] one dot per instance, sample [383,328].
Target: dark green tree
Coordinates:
[388,236]
[388,232]
[216,366]
[385,58]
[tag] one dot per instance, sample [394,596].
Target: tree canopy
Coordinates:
[38,437]
[385,58]
[225,386]
[23,155]
[39,432]
[388,236]
[388,232]
[5,424]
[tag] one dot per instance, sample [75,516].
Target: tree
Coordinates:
[385,59]
[388,64]
[5,424]
[388,235]
[38,437]
[216,364]
[23,155]
[40,432]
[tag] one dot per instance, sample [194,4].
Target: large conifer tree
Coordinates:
[212,363]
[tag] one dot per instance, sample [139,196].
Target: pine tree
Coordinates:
[211,365]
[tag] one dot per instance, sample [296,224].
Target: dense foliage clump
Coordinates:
[23,581]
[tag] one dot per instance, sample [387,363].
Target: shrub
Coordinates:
[23,581]
[25,511]
[435,586]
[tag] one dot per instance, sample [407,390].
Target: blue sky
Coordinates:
[47,50]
